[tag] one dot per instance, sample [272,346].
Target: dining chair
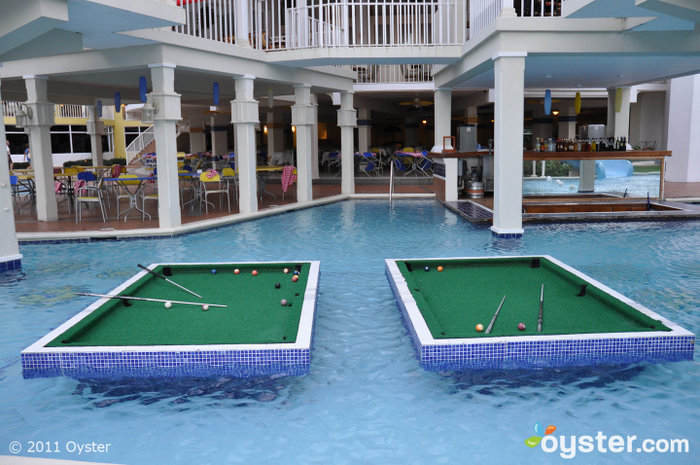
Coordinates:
[150,195]
[212,183]
[229,174]
[88,194]
[368,164]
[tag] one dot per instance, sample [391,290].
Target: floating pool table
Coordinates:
[583,322]
[258,320]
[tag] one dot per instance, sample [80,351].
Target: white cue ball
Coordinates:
[205,307]
[168,304]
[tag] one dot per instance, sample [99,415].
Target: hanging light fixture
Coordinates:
[577,103]
[547,101]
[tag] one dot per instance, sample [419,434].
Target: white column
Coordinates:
[303,119]
[443,125]
[9,249]
[219,135]
[165,118]
[411,123]
[244,116]
[40,146]
[509,70]
[314,139]
[95,129]
[364,129]
[347,121]
[622,117]
[198,142]
[683,133]
[270,124]
[242,15]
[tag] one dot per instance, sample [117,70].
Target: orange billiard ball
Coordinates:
[479,327]
[440,268]
[295,278]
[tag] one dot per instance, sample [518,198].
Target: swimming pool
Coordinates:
[366,399]
[636,186]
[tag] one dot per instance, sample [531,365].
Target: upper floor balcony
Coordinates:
[407,29]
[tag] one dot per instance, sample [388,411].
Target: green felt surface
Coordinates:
[254,314]
[468,292]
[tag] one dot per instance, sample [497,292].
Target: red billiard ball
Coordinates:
[236,271]
[521,326]
[283,302]
[295,278]
[254,272]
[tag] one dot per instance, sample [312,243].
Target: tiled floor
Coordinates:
[92,220]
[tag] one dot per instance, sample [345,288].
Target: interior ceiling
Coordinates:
[599,71]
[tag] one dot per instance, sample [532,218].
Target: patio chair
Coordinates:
[368,164]
[88,194]
[289,177]
[212,183]
[229,174]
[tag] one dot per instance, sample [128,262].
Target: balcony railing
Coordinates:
[286,25]
[61,111]
[392,74]
[484,12]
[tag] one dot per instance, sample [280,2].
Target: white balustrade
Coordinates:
[286,25]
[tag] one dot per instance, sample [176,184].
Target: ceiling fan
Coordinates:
[416,102]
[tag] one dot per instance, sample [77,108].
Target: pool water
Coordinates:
[366,400]
[636,186]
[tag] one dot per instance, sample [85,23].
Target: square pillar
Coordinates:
[197,137]
[166,115]
[244,116]
[509,70]
[38,126]
[9,249]
[443,128]
[303,119]
[95,128]
[314,140]
[347,120]
[364,129]
[683,135]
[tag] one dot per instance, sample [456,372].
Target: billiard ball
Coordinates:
[205,307]
[440,268]
[277,285]
[296,272]
[295,278]
[479,327]
[168,304]
[254,272]
[213,271]
[236,271]
[286,270]
[521,326]
[427,268]
[283,302]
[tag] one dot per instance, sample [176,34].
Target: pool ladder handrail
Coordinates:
[391,185]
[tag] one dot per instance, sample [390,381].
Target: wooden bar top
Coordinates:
[529,155]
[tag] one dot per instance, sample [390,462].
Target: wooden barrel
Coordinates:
[475,190]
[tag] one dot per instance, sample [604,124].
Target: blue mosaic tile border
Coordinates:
[11,265]
[239,363]
[556,353]
[543,352]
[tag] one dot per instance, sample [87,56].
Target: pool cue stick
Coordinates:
[146,299]
[495,315]
[168,280]
[539,317]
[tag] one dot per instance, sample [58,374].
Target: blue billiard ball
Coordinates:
[296,272]
[213,271]
[427,268]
